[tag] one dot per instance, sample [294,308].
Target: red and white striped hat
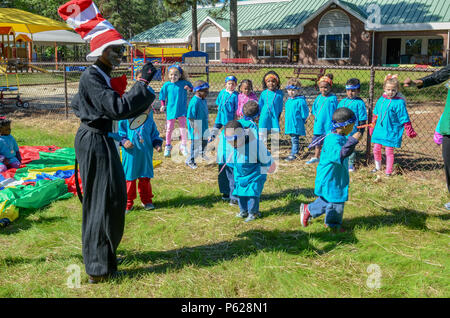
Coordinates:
[85,18]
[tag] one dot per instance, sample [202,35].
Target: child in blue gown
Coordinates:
[389,121]
[173,97]
[332,177]
[323,108]
[270,104]
[227,105]
[251,161]
[137,159]
[250,112]
[357,105]
[296,112]
[197,115]
[9,150]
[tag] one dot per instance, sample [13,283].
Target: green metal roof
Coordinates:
[285,15]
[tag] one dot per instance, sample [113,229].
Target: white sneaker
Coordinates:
[312,160]
[167,150]
[184,151]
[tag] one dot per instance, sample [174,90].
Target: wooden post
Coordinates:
[56,57]
[9,47]
[66,99]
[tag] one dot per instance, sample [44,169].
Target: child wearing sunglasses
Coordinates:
[251,161]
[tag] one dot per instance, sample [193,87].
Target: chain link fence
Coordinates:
[48,88]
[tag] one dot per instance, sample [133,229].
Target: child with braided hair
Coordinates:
[246,94]
[270,104]
[9,150]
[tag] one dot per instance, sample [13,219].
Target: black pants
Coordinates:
[446,156]
[104,200]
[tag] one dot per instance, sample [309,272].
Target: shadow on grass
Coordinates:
[208,201]
[249,243]
[410,218]
[292,207]
[23,223]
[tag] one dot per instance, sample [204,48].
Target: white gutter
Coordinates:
[448,44]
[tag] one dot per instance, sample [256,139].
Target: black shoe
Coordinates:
[105,278]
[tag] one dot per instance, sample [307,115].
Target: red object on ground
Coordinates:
[71,187]
[30,153]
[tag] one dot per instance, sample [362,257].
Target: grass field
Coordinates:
[193,246]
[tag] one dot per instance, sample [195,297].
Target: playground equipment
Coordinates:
[10,90]
[140,55]
[196,57]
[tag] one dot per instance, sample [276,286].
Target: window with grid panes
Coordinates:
[264,48]
[334,36]
[280,48]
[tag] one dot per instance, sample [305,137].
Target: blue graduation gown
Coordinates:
[271,106]
[227,104]
[392,116]
[332,177]
[138,161]
[250,165]
[358,107]
[323,109]
[8,147]
[296,112]
[176,97]
[198,111]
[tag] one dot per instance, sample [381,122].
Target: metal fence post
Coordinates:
[369,115]
[66,100]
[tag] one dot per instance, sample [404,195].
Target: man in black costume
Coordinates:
[102,175]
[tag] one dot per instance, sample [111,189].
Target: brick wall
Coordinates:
[360,46]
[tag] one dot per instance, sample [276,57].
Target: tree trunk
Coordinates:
[194,39]
[234,53]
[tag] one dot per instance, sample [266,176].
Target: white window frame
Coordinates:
[328,30]
[265,48]
[204,41]
[333,32]
[281,47]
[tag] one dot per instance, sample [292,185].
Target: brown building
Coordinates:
[318,32]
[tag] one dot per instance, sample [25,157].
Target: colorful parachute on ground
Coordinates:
[47,174]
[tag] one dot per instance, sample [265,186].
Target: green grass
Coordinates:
[193,246]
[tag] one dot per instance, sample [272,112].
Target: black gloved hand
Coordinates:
[148,71]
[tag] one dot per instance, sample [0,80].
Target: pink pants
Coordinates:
[170,126]
[389,156]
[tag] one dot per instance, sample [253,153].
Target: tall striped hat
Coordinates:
[85,18]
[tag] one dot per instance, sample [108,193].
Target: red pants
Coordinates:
[145,191]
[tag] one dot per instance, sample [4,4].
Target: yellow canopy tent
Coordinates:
[23,21]
[27,22]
